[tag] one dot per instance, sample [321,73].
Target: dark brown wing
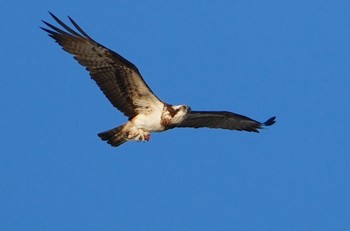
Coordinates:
[119,79]
[224,120]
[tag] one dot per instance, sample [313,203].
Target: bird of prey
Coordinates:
[123,85]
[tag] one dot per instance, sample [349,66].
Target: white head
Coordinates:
[179,113]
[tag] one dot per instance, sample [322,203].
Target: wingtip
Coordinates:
[270,121]
[52,15]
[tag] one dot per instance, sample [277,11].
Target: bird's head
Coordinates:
[182,108]
[180,113]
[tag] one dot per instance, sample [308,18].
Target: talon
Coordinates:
[148,137]
[138,135]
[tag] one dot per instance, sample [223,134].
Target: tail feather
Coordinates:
[114,137]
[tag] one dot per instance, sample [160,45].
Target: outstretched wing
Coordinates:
[119,79]
[224,120]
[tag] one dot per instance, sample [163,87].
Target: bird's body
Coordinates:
[123,85]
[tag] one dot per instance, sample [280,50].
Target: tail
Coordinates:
[114,137]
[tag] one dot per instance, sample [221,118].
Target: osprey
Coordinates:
[123,85]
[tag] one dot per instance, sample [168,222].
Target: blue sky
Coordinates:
[258,58]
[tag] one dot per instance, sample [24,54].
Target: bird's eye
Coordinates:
[185,108]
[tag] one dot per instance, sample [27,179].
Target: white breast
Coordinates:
[150,122]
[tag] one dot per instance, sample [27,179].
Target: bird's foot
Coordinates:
[139,135]
[147,136]
[144,136]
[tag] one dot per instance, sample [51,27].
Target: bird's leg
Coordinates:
[143,135]
[139,135]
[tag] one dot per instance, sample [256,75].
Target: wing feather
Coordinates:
[223,120]
[119,79]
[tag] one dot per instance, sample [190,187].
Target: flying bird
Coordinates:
[122,83]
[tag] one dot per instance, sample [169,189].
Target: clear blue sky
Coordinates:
[258,58]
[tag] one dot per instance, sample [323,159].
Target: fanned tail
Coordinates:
[115,136]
